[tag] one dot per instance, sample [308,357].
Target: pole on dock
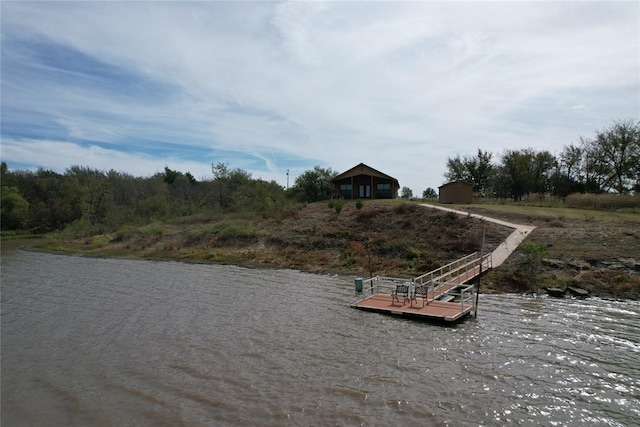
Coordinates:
[369,258]
[475,311]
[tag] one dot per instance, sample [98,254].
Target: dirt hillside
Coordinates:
[597,251]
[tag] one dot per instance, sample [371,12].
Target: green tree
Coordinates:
[568,175]
[261,197]
[429,193]
[615,155]
[510,180]
[4,173]
[237,183]
[476,170]
[315,184]
[406,193]
[221,175]
[15,209]
[95,191]
[170,175]
[185,194]
[55,200]
[542,172]
[457,169]
[523,172]
[220,170]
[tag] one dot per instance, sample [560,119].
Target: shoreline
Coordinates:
[384,239]
[31,246]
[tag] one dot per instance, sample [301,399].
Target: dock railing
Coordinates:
[467,297]
[382,284]
[444,278]
[439,281]
[446,272]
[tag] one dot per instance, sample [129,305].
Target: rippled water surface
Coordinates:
[133,343]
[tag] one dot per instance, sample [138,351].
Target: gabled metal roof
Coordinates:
[456,182]
[362,169]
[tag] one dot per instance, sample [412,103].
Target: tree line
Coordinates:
[608,162]
[90,199]
[43,200]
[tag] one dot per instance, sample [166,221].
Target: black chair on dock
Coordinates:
[401,291]
[420,292]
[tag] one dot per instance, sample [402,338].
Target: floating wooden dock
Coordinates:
[436,310]
[447,299]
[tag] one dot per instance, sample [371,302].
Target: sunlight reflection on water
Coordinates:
[121,342]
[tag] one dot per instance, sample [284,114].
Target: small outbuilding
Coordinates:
[364,182]
[455,192]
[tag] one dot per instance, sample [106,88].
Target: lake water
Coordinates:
[106,342]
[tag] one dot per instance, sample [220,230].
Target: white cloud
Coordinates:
[401,86]
[59,155]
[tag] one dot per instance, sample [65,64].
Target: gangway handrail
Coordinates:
[450,279]
[485,260]
[443,277]
[473,264]
[439,285]
[444,267]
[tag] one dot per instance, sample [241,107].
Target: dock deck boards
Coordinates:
[444,284]
[435,310]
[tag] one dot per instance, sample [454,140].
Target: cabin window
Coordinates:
[383,191]
[345,190]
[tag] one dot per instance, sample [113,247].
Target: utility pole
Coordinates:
[287,179]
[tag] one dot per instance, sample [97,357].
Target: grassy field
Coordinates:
[556,212]
[593,249]
[569,246]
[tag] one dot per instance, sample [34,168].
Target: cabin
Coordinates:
[455,192]
[364,182]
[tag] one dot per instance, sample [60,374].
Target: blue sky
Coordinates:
[274,86]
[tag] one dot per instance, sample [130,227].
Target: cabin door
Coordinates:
[364,191]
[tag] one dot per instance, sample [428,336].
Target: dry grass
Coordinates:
[586,241]
[394,238]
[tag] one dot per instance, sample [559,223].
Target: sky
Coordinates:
[277,88]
